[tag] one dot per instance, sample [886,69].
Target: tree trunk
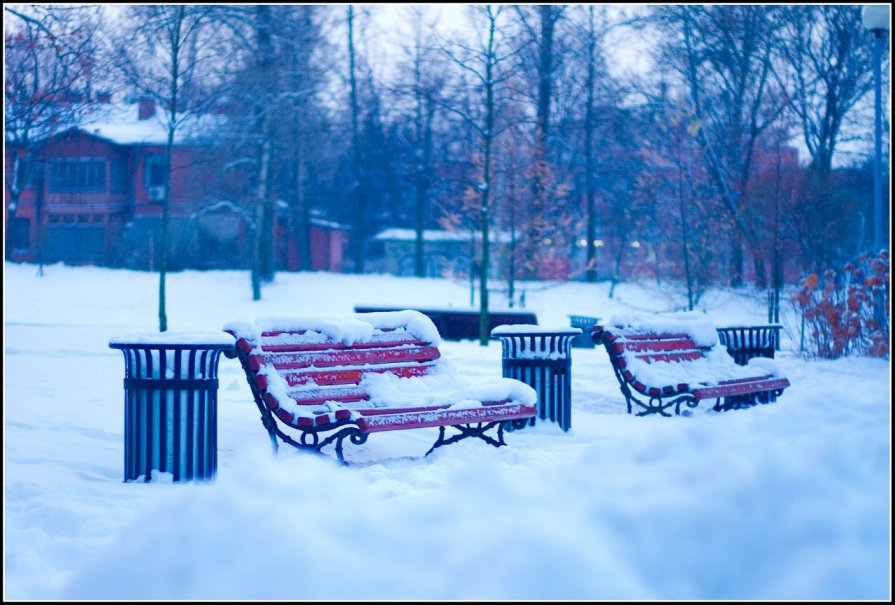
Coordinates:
[419,169]
[360,233]
[685,239]
[488,138]
[264,215]
[163,240]
[301,211]
[590,181]
[169,154]
[736,259]
[539,220]
[40,175]
[267,224]
[616,271]
[511,254]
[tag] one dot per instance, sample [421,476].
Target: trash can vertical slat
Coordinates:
[150,421]
[162,462]
[190,432]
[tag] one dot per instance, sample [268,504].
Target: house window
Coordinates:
[154,170]
[21,234]
[78,174]
[119,176]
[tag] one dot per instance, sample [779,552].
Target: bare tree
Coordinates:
[357,169]
[167,53]
[591,42]
[539,27]
[676,176]
[302,40]
[829,55]
[424,88]
[512,155]
[829,58]
[589,31]
[263,266]
[483,64]
[51,55]
[268,143]
[724,57]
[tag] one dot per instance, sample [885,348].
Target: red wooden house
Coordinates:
[94,196]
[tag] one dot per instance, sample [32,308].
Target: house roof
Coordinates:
[120,123]
[440,235]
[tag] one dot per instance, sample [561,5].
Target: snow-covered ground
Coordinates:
[790,500]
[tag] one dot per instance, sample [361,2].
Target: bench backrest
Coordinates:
[318,367]
[652,348]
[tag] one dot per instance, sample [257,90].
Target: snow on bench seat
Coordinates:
[369,372]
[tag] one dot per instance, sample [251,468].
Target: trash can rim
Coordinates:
[531,330]
[750,327]
[184,340]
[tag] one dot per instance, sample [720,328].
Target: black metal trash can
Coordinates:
[745,342]
[586,323]
[170,403]
[542,359]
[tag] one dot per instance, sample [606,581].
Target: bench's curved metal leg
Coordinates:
[438,442]
[353,433]
[270,424]
[468,430]
[659,405]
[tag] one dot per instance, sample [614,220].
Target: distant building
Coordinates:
[445,253]
[95,192]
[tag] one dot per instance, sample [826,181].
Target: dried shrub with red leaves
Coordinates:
[847,312]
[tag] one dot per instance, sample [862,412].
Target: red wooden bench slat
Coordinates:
[324,398]
[314,396]
[272,333]
[377,341]
[682,356]
[287,348]
[659,345]
[426,418]
[750,379]
[320,418]
[305,421]
[324,359]
[425,408]
[653,336]
[333,377]
[740,388]
[668,389]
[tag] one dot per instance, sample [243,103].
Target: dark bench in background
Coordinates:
[461,324]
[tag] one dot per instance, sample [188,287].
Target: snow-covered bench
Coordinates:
[676,358]
[337,378]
